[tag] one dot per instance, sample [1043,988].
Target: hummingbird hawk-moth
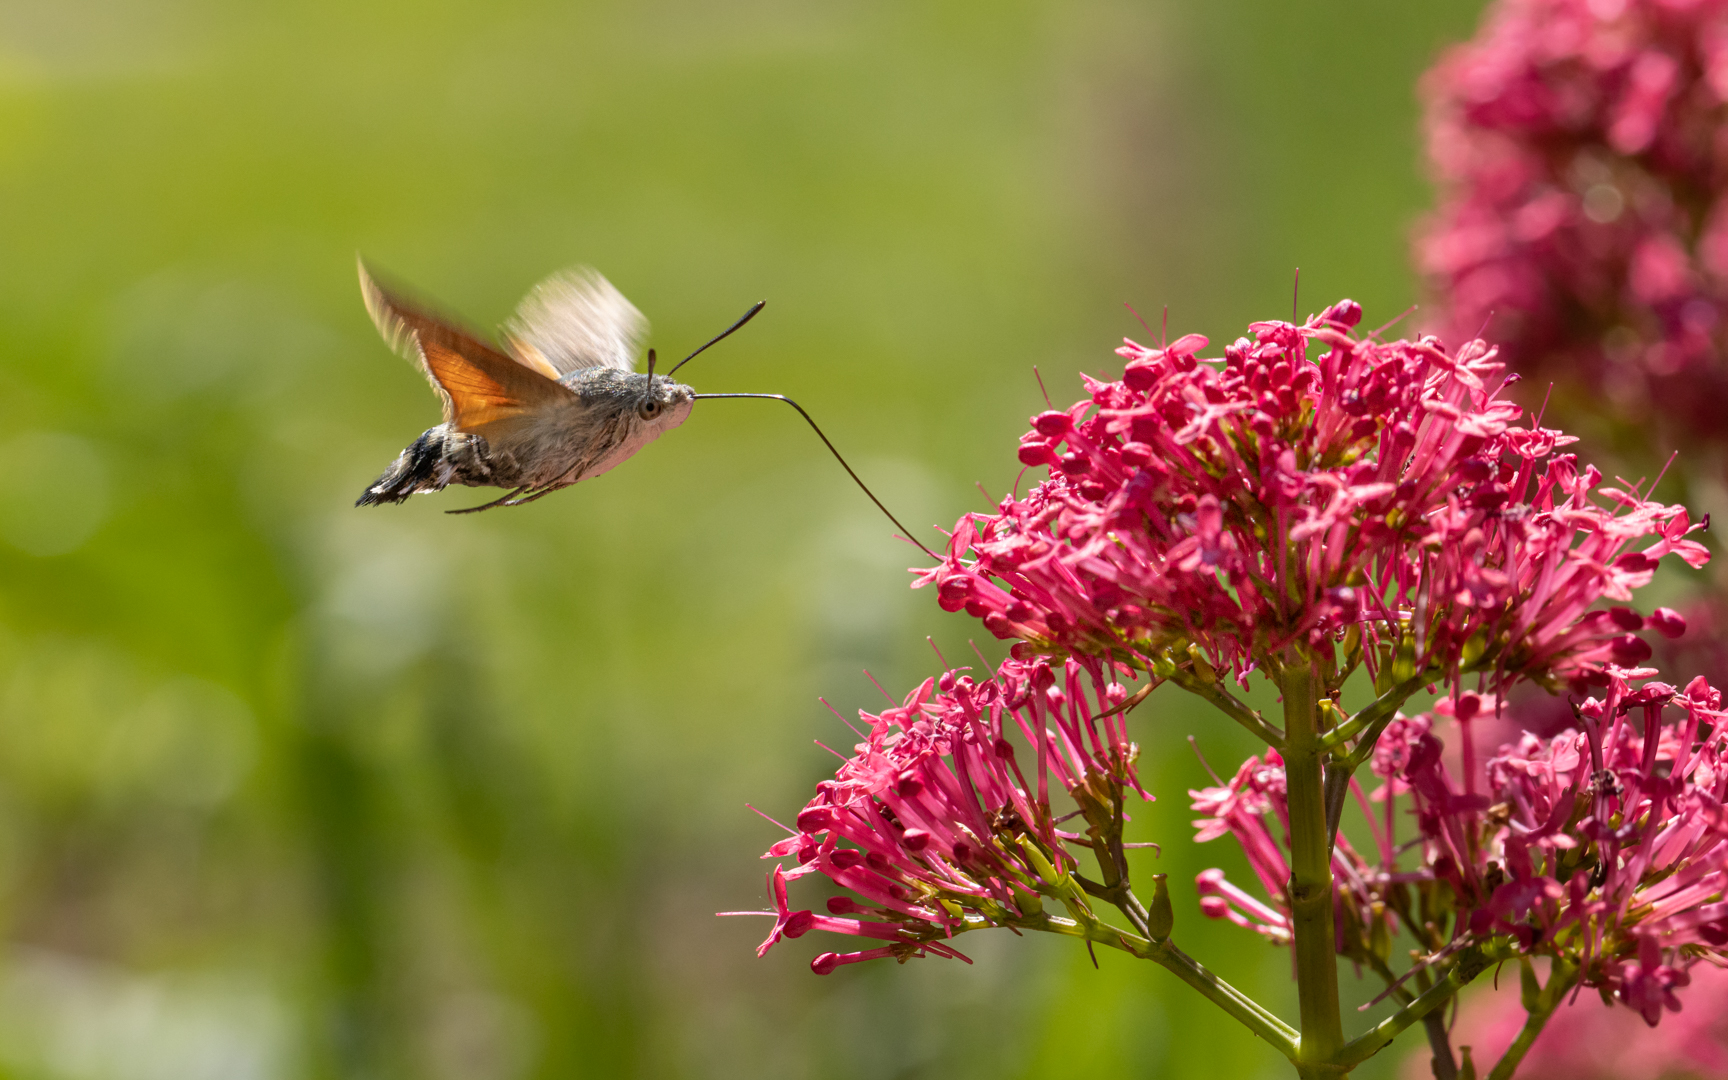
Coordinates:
[557,402]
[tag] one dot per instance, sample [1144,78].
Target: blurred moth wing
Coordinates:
[483,391]
[576,320]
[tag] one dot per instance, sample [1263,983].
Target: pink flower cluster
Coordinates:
[1582,152]
[1585,1042]
[1606,844]
[1249,807]
[934,828]
[1376,497]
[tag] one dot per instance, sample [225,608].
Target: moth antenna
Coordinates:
[861,485]
[648,385]
[748,315]
[1295,295]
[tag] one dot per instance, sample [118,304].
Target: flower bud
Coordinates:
[1347,312]
[1140,374]
[1474,470]
[1380,934]
[1074,464]
[1626,619]
[1053,424]
[1202,667]
[952,593]
[1036,453]
[1161,917]
[1630,649]
[1634,562]
[1668,622]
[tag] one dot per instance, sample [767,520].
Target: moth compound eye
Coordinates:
[649,410]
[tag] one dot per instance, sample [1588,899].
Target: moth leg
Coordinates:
[538,493]
[502,500]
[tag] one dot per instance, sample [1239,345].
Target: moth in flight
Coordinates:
[557,402]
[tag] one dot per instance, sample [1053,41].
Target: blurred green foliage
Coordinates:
[290,789]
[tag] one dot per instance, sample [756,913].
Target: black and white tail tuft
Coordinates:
[419,468]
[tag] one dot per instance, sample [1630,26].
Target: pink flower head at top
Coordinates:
[1368,503]
[1581,148]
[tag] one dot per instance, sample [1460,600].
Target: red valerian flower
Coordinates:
[1253,808]
[1604,847]
[1585,1042]
[1581,149]
[1373,503]
[934,826]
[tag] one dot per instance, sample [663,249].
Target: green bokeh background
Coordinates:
[290,789]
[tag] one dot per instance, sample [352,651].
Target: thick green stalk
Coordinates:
[1310,876]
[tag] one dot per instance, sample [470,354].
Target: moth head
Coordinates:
[664,403]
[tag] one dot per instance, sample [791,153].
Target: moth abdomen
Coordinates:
[423,466]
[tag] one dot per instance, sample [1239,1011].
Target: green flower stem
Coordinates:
[1470,963]
[1245,1009]
[1231,706]
[1441,1059]
[1310,876]
[1561,976]
[1372,718]
[1251,1013]
[1071,889]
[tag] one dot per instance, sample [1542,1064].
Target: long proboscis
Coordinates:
[721,336]
[825,442]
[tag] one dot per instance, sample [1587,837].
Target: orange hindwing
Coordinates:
[481,386]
